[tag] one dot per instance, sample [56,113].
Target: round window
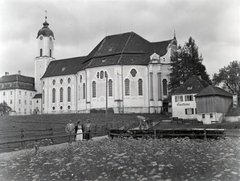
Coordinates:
[61,107]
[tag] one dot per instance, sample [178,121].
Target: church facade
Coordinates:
[124,73]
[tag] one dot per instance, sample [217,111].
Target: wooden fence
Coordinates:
[21,139]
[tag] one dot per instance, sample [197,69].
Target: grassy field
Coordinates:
[128,159]
[36,126]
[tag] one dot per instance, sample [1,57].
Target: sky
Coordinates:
[79,25]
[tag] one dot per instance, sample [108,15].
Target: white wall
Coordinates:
[178,108]
[12,97]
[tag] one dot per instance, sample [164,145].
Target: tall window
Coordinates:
[40,52]
[43,94]
[50,53]
[188,97]
[110,87]
[127,82]
[53,95]
[178,98]
[140,89]
[83,90]
[164,87]
[69,94]
[61,94]
[93,89]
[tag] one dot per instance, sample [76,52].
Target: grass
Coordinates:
[128,159]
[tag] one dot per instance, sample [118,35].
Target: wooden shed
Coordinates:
[212,104]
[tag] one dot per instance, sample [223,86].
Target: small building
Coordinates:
[233,113]
[212,104]
[183,99]
[17,91]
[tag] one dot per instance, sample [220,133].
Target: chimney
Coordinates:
[235,100]
[6,73]
[19,72]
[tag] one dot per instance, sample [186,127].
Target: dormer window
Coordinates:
[41,38]
[189,88]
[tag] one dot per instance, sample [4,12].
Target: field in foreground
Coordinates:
[128,159]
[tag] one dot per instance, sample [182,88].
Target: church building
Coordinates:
[124,73]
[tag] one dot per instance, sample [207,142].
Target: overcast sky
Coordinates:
[79,25]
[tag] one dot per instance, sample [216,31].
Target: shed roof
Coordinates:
[213,91]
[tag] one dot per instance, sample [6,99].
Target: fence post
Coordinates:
[51,134]
[95,129]
[205,134]
[22,136]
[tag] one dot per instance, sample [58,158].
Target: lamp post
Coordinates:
[106,76]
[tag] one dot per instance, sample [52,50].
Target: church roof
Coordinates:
[16,81]
[64,66]
[213,91]
[192,86]
[121,49]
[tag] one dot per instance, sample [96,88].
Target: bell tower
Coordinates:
[45,38]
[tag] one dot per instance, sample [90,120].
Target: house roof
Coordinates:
[213,91]
[121,49]
[234,111]
[16,81]
[192,86]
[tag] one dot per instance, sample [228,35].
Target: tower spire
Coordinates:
[46,15]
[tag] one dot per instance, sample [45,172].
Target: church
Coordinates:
[124,73]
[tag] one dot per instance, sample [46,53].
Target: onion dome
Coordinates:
[45,31]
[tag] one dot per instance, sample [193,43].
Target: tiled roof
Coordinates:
[37,96]
[64,66]
[16,77]
[16,81]
[121,49]
[192,86]
[213,91]
[234,111]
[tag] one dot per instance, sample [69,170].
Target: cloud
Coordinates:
[79,25]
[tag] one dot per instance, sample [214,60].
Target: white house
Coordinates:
[183,99]
[17,91]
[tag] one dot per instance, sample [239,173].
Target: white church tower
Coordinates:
[45,54]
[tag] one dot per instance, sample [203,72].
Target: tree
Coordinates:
[185,63]
[4,108]
[228,77]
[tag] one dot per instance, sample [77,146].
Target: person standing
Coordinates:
[79,132]
[70,130]
[88,130]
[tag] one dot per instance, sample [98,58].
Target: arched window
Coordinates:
[101,74]
[50,53]
[69,80]
[83,90]
[165,89]
[53,95]
[110,87]
[69,94]
[40,52]
[127,91]
[93,89]
[61,94]
[140,88]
